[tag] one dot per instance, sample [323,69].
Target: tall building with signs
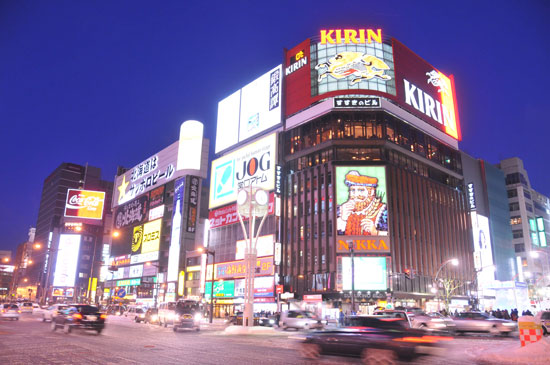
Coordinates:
[70,193]
[363,135]
[156,208]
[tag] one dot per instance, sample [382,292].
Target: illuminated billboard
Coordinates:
[174,250]
[67,260]
[84,204]
[264,247]
[361,199]
[370,273]
[483,251]
[151,236]
[132,213]
[263,287]
[250,111]
[222,289]
[253,164]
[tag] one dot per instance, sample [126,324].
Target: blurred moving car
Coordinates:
[422,320]
[544,318]
[26,307]
[167,313]
[139,315]
[299,319]
[116,309]
[151,316]
[483,322]
[237,319]
[188,315]
[81,316]
[376,339]
[10,310]
[50,313]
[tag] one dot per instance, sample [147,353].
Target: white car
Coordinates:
[11,311]
[26,307]
[50,313]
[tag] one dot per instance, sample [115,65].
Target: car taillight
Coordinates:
[18,311]
[77,316]
[103,316]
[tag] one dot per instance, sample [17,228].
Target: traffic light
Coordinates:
[408,273]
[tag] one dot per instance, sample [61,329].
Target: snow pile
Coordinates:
[532,354]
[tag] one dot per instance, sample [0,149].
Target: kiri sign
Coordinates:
[351,36]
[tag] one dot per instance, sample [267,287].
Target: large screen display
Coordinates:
[67,260]
[84,204]
[370,273]
[253,164]
[362,202]
[483,251]
[249,111]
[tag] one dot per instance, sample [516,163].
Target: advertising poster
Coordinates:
[361,200]
[84,204]
[67,260]
[222,289]
[151,236]
[370,273]
[132,213]
[193,202]
[174,252]
[264,247]
[483,252]
[156,197]
[137,239]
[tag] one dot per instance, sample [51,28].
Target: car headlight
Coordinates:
[154,317]
[142,316]
[198,317]
[271,321]
[508,324]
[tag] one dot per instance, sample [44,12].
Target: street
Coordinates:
[30,341]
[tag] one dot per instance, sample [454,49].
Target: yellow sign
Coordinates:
[350,36]
[151,236]
[137,238]
[181,282]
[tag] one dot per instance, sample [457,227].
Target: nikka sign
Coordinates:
[362,244]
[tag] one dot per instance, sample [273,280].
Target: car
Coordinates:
[166,313]
[376,339]
[544,318]
[132,311]
[237,319]
[417,318]
[138,315]
[81,316]
[299,319]
[483,322]
[188,315]
[151,316]
[26,307]
[50,313]
[10,310]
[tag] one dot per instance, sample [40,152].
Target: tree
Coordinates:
[450,287]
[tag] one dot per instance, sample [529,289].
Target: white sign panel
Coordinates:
[190,145]
[264,247]
[156,213]
[370,273]
[136,271]
[144,257]
[250,111]
[483,250]
[253,164]
[67,259]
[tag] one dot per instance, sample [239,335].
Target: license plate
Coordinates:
[187,316]
[91,318]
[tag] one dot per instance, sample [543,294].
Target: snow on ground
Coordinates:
[532,354]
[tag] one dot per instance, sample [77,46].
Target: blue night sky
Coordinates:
[108,83]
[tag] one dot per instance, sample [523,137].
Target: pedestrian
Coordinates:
[506,315]
[341,318]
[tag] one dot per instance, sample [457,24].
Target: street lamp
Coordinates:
[252,202]
[213,253]
[454,262]
[351,252]
[149,263]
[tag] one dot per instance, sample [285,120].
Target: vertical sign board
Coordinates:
[174,252]
[361,198]
[67,260]
[193,202]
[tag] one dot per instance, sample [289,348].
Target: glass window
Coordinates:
[515,220]
[526,194]
[529,207]
[514,206]
[517,233]
[519,247]
[512,193]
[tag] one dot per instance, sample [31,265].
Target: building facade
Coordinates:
[366,168]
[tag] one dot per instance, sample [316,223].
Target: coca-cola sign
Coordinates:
[84,204]
[132,213]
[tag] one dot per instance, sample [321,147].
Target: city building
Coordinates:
[52,213]
[6,273]
[20,285]
[156,223]
[529,219]
[356,139]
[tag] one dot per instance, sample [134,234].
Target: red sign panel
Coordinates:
[84,204]
[237,269]
[298,78]
[312,298]
[424,91]
[279,289]
[228,215]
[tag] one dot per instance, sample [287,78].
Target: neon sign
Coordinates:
[349,36]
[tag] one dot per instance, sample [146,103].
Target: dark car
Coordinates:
[237,319]
[374,339]
[188,315]
[81,316]
[151,316]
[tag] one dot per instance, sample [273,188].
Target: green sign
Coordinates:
[532,225]
[128,282]
[222,289]
[542,239]
[540,224]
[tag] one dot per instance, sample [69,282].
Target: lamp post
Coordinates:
[213,253]
[453,261]
[351,252]
[149,263]
[252,202]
